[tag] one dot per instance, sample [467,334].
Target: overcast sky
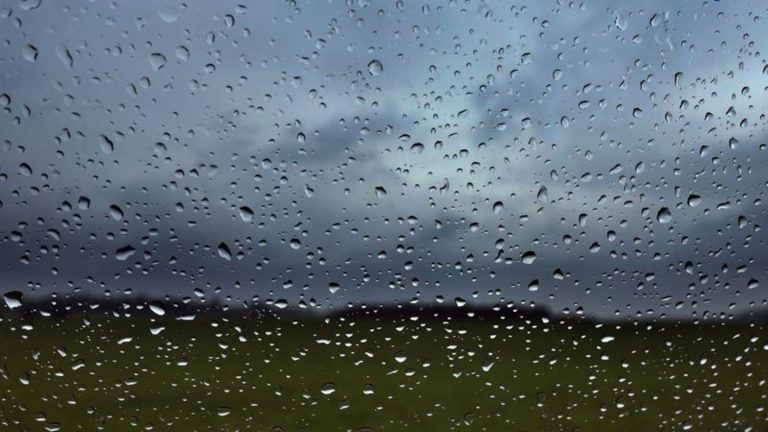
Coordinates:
[608,156]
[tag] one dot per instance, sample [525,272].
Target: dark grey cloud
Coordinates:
[181,114]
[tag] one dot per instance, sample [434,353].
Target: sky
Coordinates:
[604,157]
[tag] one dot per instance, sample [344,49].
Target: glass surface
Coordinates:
[361,215]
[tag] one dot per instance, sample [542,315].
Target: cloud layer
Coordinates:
[366,152]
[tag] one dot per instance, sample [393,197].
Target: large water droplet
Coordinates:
[694,200]
[375,68]
[116,213]
[542,196]
[125,252]
[533,286]
[498,206]
[29,52]
[246,214]
[13,299]
[157,308]
[664,215]
[224,251]
[529,257]
[157,61]
[333,287]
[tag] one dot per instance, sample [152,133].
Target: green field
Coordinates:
[113,374]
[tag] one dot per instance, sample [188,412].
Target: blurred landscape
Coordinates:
[125,366]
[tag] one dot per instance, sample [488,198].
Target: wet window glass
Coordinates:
[359,215]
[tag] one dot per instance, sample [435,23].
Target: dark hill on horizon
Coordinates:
[190,309]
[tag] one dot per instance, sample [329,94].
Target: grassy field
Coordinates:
[113,374]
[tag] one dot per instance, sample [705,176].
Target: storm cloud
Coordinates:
[624,145]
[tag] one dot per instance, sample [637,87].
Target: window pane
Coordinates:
[364,215]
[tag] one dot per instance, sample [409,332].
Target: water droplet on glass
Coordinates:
[29,52]
[694,200]
[664,215]
[157,61]
[542,196]
[116,212]
[333,287]
[246,214]
[529,257]
[223,251]
[125,252]
[533,285]
[498,206]
[375,68]
[25,170]
[157,308]
[13,299]
[417,148]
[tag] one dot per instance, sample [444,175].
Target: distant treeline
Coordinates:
[191,309]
